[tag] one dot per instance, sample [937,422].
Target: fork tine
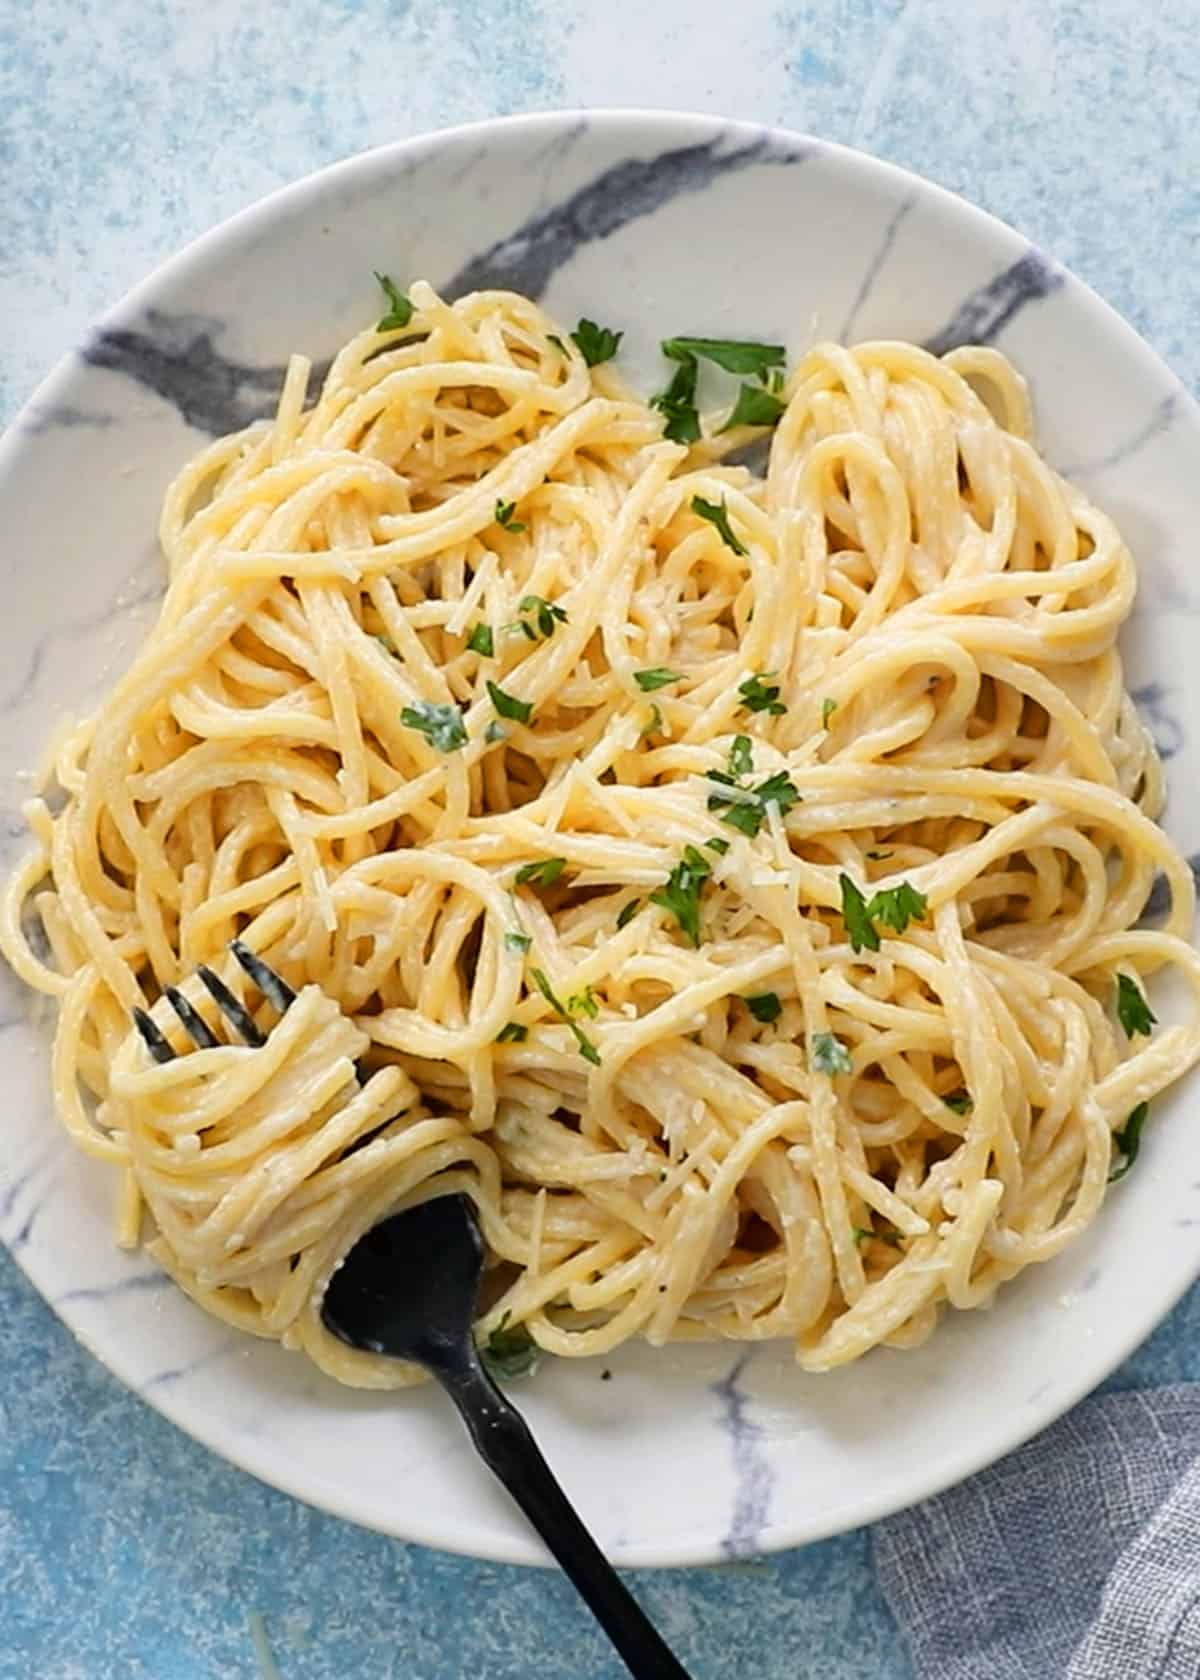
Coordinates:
[196,1027]
[152,1038]
[272,986]
[238,1016]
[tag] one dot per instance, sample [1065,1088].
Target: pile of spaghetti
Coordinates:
[729,882]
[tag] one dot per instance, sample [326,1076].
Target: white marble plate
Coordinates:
[655,224]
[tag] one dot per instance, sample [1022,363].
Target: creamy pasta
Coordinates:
[732,883]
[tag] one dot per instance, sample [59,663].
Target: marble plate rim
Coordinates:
[379,161]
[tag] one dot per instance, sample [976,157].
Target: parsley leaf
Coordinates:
[828,707]
[717,845]
[547,616]
[596,344]
[627,912]
[960,1102]
[681,894]
[586,1048]
[584,1003]
[542,873]
[741,756]
[517,941]
[504,516]
[510,1353]
[764,1006]
[513,1033]
[654,726]
[895,908]
[754,407]
[735,355]
[508,705]
[747,814]
[747,819]
[829,1054]
[898,906]
[543,985]
[656,677]
[887,1234]
[856,917]
[717,513]
[1129,1140]
[1133,1012]
[482,641]
[677,404]
[495,732]
[442,726]
[780,790]
[759,694]
[400,310]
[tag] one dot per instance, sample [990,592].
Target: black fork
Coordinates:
[272,986]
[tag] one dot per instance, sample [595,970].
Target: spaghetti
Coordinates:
[727,882]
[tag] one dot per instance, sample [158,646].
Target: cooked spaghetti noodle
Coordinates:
[725,881]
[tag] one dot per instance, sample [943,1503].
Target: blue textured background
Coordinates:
[127,127]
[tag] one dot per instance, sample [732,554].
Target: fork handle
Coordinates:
[504,1442]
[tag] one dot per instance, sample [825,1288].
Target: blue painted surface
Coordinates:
[131,125]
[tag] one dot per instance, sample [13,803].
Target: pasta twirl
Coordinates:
[725,881]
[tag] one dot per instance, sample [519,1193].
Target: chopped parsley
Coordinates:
[482,641]
[829,1054]
[960,1102]
[856,917]
[760,694]
[717,513]
[546,615]
[654,724]
[584,1003]
[735,355]
[681,894]
[504,516]
[627,912]
[495,732]
[746,810]
[1129,1140]
[508,705]
[400,309]
[1133,1012]
[898,906]
[587,1049]
[656,677]
[764,1006]
[778,789]
[887,1234]
[543,873]
[755,406]
[513,1033]
[442,726]
[895,908]
[828,707]
[510,1353]
[517,941]
[596,344]
[716,844]
[741,756]
[677,404]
